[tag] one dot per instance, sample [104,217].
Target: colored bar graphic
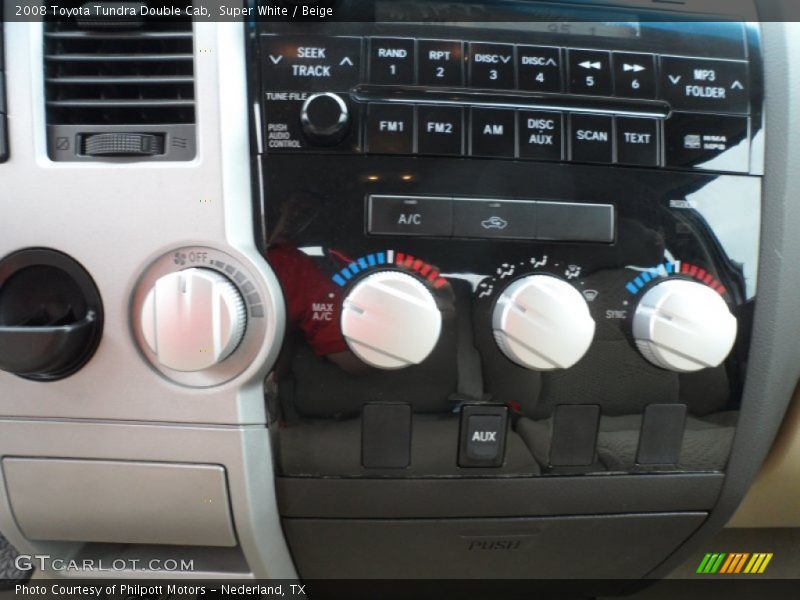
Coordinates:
[734,563]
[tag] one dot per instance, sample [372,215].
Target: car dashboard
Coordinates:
[405,290]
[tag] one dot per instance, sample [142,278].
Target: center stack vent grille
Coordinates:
[118,75]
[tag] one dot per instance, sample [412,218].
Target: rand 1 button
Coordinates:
[390,128]
[710,142]
[494,219]
[493,133]
[541,135]
[491,66]
[591,138]
[539,68]
[440,130]
[310,62]
[574,222]
[391,61]
[637,142]
[634,75]
[590,72]
[440,63]
[410,215]
[703,84]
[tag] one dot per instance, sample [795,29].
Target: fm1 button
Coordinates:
[483,436]
[390,128]
[404,215]
[637,142]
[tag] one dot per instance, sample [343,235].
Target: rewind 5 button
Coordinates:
[590,72]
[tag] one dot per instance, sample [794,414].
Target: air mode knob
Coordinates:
[683,326]
[390,320]
[325,118]
[542,323]
[193,319]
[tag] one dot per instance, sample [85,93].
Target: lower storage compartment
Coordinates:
[120,501]
[580,547]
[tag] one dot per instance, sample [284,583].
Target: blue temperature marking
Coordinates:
[346,273]
[670,267]
[371,260]
[338,279]
[632,288]
[639,283]
[363,263]
[381,258]
[353,268]
[646,277]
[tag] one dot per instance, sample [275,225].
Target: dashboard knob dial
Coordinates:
[542,323]
[325,118]
[390,320]
[193,319]
[683,326]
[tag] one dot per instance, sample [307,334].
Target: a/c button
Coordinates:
[410,215]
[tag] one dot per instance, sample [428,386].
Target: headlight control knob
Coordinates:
[390,320]
[542,323]
[683,326]
[193,319]
[325,118]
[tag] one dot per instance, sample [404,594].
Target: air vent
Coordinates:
[127,77]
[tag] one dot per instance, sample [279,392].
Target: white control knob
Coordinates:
[683,326]
[193,319]
[390,320]
[542,323]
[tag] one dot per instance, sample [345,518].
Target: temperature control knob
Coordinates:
[325,118]
[683,326]
[390,320]
[193,319]
[542,323]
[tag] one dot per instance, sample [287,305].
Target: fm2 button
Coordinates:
[483,435]
[403,215]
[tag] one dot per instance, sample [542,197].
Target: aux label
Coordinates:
[484,436]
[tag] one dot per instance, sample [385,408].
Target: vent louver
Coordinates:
[120,75]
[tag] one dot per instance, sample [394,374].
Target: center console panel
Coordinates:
[519,263]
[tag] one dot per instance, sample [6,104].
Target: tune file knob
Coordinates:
[390,320]
[683,326]
[193,319]
[542,323]
[325,118]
